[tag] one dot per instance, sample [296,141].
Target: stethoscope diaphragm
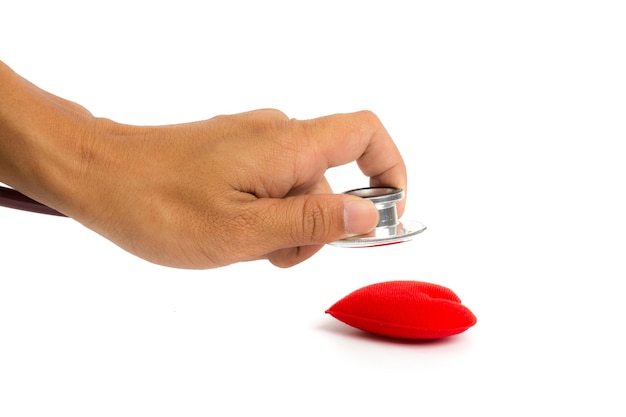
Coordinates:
[389,229]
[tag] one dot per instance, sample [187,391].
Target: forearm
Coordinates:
[40,139]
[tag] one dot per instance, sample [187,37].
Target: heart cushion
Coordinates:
[404,309]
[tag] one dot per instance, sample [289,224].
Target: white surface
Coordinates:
[511,117]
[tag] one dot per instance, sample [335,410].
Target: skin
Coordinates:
[195,195]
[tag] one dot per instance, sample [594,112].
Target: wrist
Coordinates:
[44,141]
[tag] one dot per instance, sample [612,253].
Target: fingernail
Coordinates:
[360,216]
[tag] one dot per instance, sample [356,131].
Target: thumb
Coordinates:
[316,219]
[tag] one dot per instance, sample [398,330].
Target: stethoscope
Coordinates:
[389,229]
[16,200]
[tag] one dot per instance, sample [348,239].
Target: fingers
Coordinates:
[294,228]
[360,137]
[301,225]
[285,258]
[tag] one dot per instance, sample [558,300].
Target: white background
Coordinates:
[511,118]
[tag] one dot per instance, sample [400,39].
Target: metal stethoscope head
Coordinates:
[389,229]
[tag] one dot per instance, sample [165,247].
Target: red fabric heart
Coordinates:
[404,309]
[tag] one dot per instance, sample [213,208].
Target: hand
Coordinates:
[235,188]
[210,193]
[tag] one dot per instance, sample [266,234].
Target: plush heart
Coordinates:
[404,309]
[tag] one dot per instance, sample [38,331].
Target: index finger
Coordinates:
[342,138]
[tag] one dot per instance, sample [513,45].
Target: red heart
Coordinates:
[404,309]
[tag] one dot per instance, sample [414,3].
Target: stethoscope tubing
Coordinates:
[16,200]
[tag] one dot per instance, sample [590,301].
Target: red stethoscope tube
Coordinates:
[16,200]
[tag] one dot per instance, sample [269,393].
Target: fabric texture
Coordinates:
[404,309]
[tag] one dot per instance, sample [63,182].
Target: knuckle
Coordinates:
[270,123]
[277,114]
[369,116]
[272,118]
[368,120]
[316,223]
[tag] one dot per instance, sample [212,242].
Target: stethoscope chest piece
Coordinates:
[389,229]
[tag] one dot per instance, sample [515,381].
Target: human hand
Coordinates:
[236,188]
[206,194]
